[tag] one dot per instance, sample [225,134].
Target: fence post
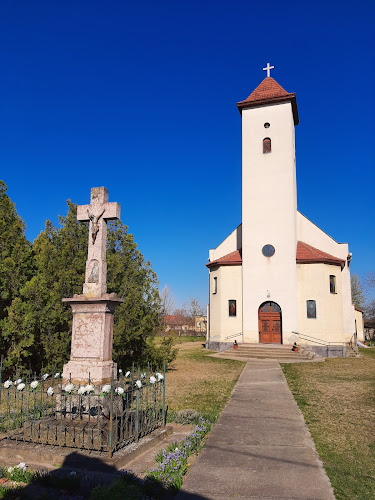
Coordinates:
[137,408]
[164,419]
[111,419]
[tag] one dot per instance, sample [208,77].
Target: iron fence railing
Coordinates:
[86,416]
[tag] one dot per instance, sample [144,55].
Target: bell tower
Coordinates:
[269,207]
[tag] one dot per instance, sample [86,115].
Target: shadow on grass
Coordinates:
[84,477]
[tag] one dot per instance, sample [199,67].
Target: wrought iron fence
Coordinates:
[87,416]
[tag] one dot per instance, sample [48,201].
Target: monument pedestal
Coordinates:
[92,336]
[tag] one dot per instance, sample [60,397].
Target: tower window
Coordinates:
[215,286]
[332,283]
[267,145]
[266,125]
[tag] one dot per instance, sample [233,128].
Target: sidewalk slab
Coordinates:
[260,447]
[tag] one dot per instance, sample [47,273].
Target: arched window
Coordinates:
[267,145]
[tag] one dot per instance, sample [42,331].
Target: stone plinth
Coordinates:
[92,336]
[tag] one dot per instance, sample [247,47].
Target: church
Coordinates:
[278,278]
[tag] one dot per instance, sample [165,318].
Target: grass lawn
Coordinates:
[337,399]
[200,382]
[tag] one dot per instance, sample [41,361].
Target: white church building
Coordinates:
[277,278]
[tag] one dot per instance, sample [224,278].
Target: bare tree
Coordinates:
[358,298]
[195,308]
[167,301]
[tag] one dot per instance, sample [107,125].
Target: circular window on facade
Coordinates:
[266,125]
[268,250]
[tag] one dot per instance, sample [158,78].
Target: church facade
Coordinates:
[277,278]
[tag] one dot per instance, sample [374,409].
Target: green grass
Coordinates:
[200,382]
[337,399]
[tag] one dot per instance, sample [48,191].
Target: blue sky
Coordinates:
[141,97]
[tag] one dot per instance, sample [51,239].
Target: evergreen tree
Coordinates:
[39,321]
[16,268]
[133,279]
[39,325]
[15,252]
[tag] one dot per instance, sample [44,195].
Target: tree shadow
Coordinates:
[83,477]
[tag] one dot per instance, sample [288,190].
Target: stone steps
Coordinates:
[279,352]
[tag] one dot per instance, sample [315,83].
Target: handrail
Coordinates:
[353,342]
[317,340]
[232,336]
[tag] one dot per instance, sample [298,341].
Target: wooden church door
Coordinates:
[270,323]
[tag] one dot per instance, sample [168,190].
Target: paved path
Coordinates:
[260,447]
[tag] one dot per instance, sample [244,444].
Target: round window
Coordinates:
[268,250]
[266,125]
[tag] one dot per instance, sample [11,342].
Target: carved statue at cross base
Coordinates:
[92,329]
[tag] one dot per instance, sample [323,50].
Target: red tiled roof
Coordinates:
[269,92]
[231,259]
[306,254]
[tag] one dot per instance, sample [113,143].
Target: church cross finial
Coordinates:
[268,69]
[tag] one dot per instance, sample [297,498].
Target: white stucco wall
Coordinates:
[359,321]
[313,284]
[229,287]
[311,234]
[269,208]
[232,243]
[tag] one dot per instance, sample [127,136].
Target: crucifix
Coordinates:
[268,69]
[97,213]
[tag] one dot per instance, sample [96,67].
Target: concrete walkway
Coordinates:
[260,447]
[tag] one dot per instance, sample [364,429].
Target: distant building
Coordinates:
[182,323]
[278,278]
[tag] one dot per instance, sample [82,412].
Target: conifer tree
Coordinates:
[16,268]
[15,252]
[39,323]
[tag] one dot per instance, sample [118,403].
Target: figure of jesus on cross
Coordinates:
[97,213]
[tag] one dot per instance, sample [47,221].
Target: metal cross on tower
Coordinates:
[268,69]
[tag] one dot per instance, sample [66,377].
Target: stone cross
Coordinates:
[268,69]
[97,213]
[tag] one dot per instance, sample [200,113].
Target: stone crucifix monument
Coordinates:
[92,331]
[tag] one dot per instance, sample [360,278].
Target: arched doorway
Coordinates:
[269,315]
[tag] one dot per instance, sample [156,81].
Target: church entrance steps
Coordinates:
[282,353]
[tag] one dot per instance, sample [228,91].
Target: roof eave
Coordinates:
[215,263]
[317,260]
[272,100]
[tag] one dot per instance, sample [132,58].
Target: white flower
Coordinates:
[152,379]
[18,381]
[119,390]
[10,469]
[57,375]
[8,384]
[20,387]
[90,388]
[34,384]
[127,374]
[22,466]
[82,390]
[143,375]
[120,371]
[106,388]
[69,388]
[138,384]
[50,391]
[160,377]
[45,376]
